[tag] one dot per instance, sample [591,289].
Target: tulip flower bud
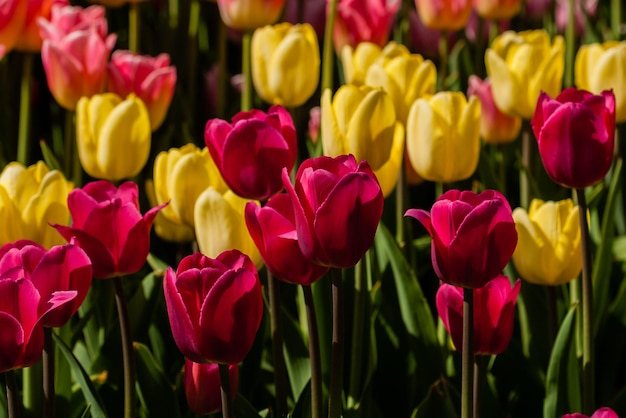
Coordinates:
[202,386]
[363,21]
[113,136]
[30,39]
[12,17]
[497,9]
[285,63]
[600,413]
[443,136]
[249,14]
[449,15]
[356,61]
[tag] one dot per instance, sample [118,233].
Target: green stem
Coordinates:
[317,400]
[192,55]
[479,55]
[467,365]
[128,351]
[401,192]
[336,368]
[479,382]
[246,69]
[358,346]
[48,373]
[32,389]
[553,322]
[570,46]
[443,61]
[280,381]
[222,40]
[13,399]
[616,18]
[587,311]
[69,144]
[328,56]
[227,396]
[23,140]
[524,189]
[133,27]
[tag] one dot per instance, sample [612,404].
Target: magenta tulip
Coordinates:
[363,21]
[273,229]
[494,312]
[202,386]
[600,413]
[251,151]
[214,306]
[337,204]
[473,236]
[107,224]
[575,132]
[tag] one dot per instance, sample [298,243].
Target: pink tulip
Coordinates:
[473,236]
[152,79]
[494,311]
[30,39]
[107,224]
[202,386]
[251,151]
[600,413]
[337,205]
[575,132]
[65,19]
[273,229]
[363,21]
[214,306]
[12,16]
[583,9]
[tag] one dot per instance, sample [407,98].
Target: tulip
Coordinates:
[65,19]
[202,386]
[549,246]
[583,10]
[495,126]
[107,224]
[12,16]
[273,229]
[497,9]
[152,79]
[251,151]
[215,306]
[520,66]
[600,413]
[285,63]
[575,132]
[164,227]
[405,78]
[425,40]
[536,9]
[356,61]
[337,205]
[249,14]
[473,236]
[363,21]
[220,224]
[62,268]
[31,199]
[494,311]
[443,136]
[113,136]
[362,121]
[448,15]
[599,67]
[30,39]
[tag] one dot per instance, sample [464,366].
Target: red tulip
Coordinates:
[62,268]
[575,132]
[214,306]
[273,229]
[600,413]
[251,151]
[494,311]
[203,387]
[473,236]
[363,21]
[337,205]
[107,224]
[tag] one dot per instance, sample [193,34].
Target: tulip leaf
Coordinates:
[303,403]
[155,391]
[439,402]
[158,266]
[3,404]
[296,355]
[80,375]
[563,393]
[244,409]
[49,158]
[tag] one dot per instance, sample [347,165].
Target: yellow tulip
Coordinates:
[285,63]
[113,135]
[443,136]
[601,67]
[220,225]
[163,226]
[548,249]
[361,120]
[520,66]
[31,199]
[356,61]
[406,78]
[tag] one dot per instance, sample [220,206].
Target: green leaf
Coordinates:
[85,383]
[296,353]
[438,402]
[49,158]
[156,392]
[563,393]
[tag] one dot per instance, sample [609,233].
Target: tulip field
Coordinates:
[312,209]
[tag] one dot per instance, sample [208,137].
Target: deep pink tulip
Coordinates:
[273,229]
[203,387]
[494,311]
[575,132]
[473,236]
[337,205]
[600,413]
[152,79]
[214,306]
[363,21]
[251,151]
[61,268]
[107,224]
